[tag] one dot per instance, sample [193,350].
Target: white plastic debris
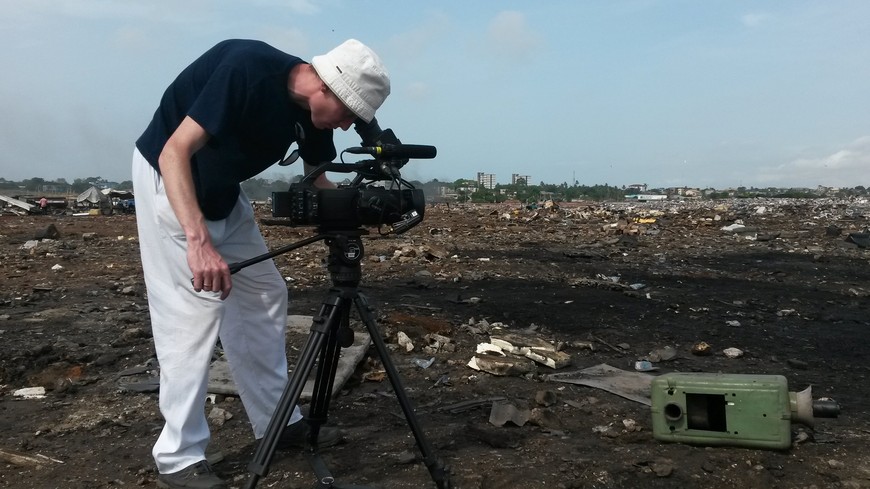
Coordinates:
[30,393]
[488,347]
[644,366]
[631,425]
[733,352]
[732,228]
[57,267]
[423,363]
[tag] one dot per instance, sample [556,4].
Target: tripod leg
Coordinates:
[328,365]
[435,466]
[320,329]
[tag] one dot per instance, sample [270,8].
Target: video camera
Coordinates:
[397,206]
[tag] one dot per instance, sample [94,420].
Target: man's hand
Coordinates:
[322,182]
[210,272]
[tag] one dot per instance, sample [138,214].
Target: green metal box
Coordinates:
[722,409]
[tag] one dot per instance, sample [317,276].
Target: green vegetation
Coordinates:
[461,190]
[38,185]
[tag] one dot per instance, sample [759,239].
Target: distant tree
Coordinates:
[79,185]
[795,193]
[528,193]
[261,188]
[482,194]
[125,185]
[33,184]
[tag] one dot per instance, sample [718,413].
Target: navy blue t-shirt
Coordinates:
[237,91]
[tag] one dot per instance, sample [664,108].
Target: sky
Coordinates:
[714,93]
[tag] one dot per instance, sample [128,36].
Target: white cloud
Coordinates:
[846,167]
[509,36]
[754,19]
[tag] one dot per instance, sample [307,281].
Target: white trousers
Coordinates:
[186,324]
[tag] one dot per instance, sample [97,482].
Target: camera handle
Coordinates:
[330,332]
[375,170]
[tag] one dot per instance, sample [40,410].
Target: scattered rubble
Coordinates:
[517,333]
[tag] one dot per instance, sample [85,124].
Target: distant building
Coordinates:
[646,197]
[637,188]
[516,178]
[685,192]
[486,180]
[445,191]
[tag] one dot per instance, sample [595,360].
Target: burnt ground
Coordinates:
[791,292]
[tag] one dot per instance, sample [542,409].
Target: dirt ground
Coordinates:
[790,290]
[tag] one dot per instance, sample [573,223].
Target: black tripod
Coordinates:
[330,332]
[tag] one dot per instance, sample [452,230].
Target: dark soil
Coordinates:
[793,296]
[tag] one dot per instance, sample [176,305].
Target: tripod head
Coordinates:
[377,195]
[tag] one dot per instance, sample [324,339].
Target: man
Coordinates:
[228,116]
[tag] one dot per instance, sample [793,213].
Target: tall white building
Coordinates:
[486,180]
[517,178]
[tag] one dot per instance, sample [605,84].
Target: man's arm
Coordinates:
[210,271]
[321,181]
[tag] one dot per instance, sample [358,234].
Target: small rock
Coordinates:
[663,469]
[631,425]
[406,457]
[797,364]
[404,341]
[546,398]
[50,232]
[702,349]
[733,352]
[219,416]
[545,418]
[662,354]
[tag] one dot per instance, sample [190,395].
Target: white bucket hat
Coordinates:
[356,75]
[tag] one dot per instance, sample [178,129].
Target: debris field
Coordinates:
[486,310]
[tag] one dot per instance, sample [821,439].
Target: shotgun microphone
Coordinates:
[398,151]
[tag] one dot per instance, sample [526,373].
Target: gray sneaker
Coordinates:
[197,476]
[296,436]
